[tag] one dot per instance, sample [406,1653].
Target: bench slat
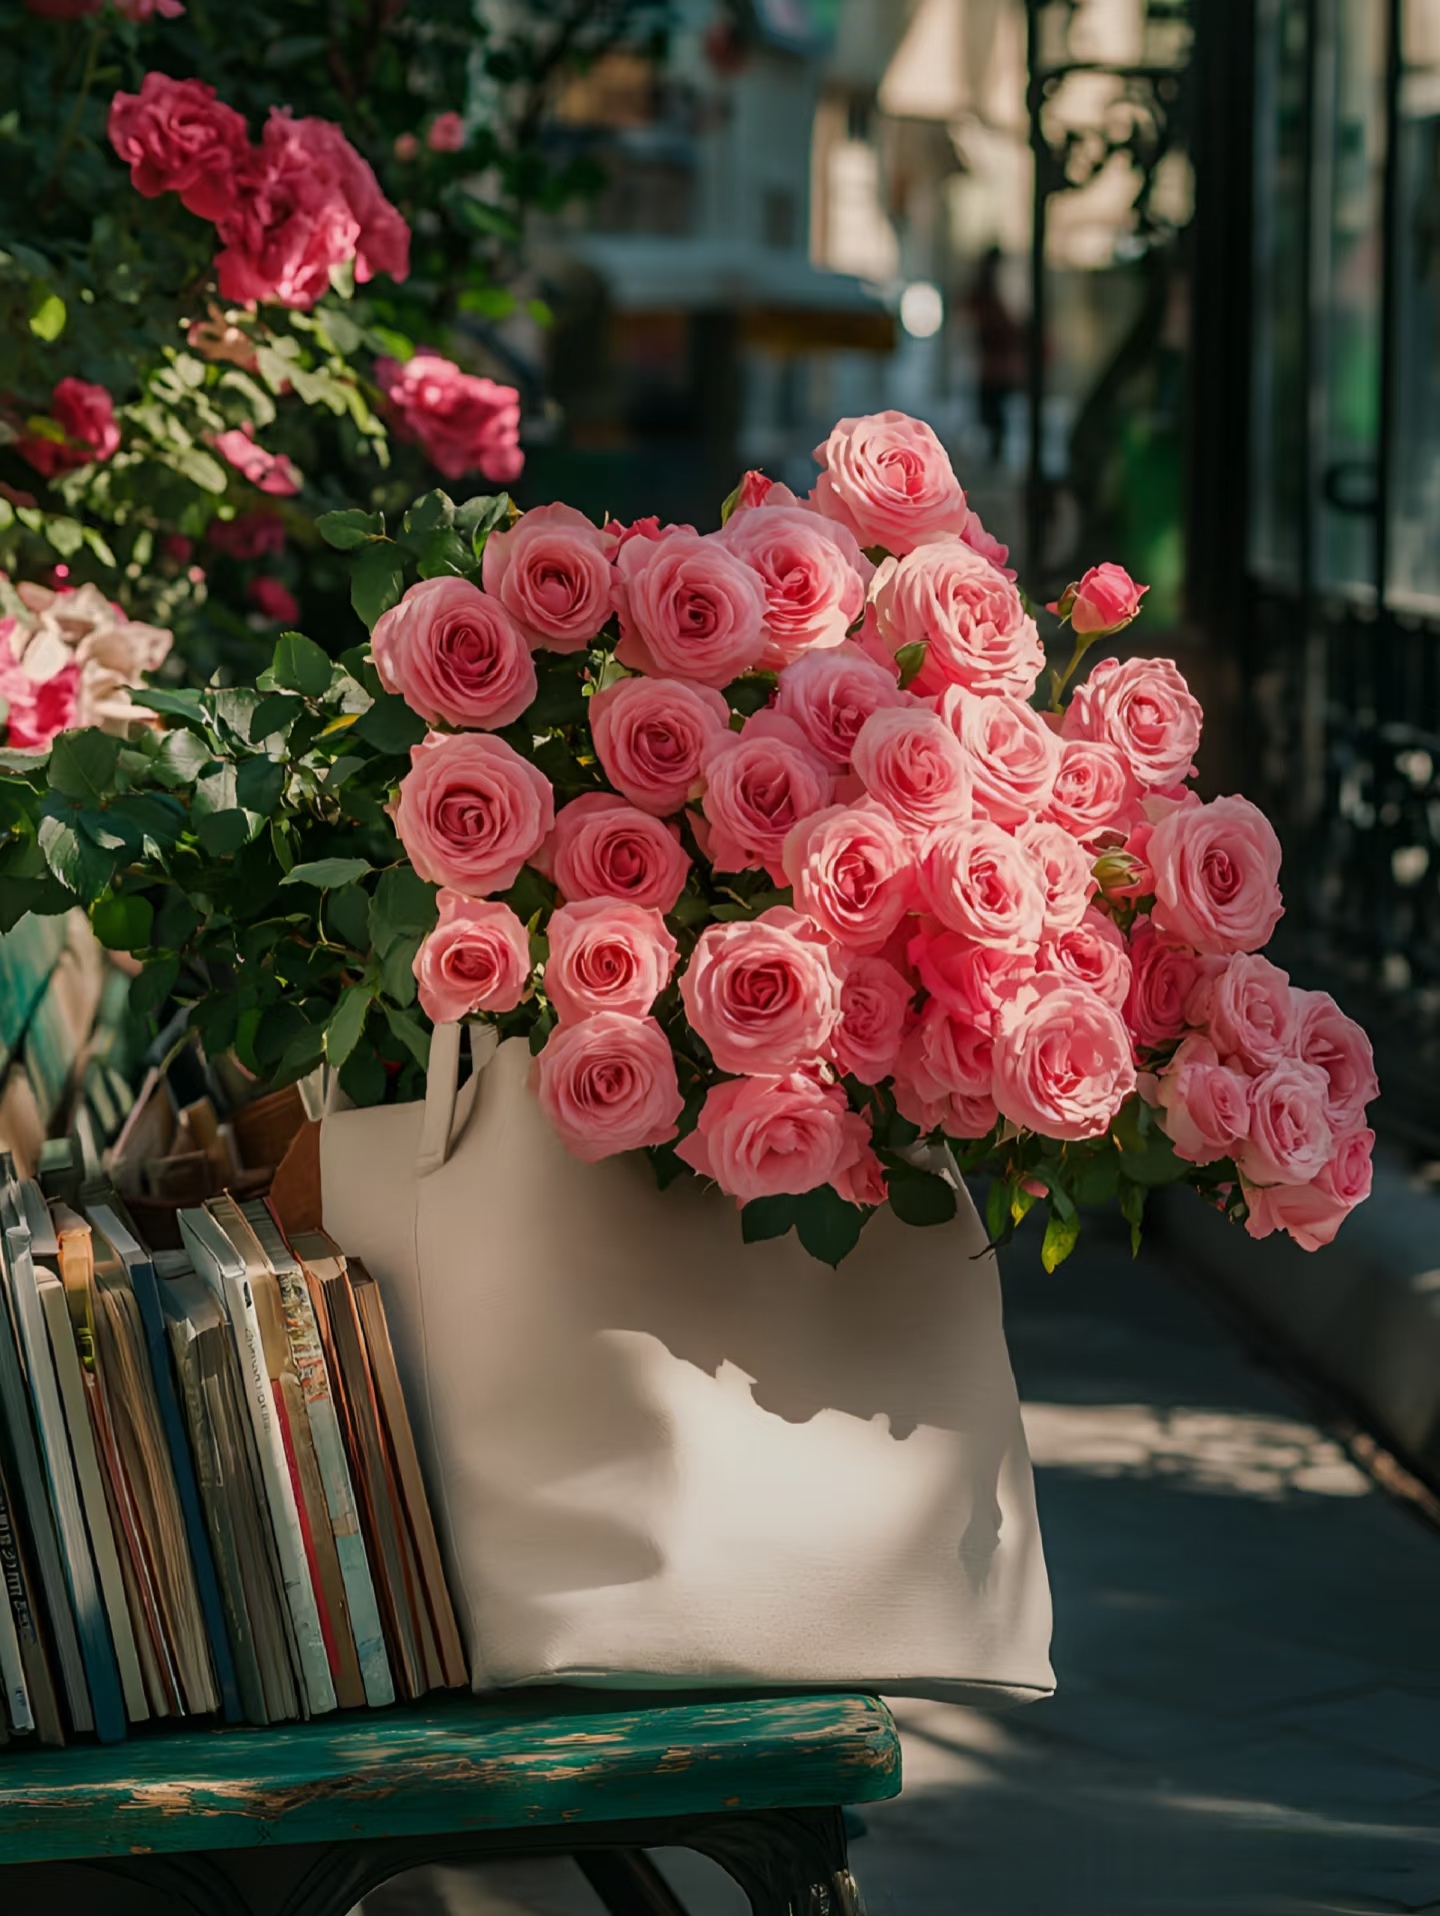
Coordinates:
[464,1764]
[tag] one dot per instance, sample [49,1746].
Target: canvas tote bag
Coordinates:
[661,1457]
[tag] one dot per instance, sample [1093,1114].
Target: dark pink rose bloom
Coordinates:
[85,413]
[177,137]
[462,423]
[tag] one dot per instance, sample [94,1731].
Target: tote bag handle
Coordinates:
[437,1130]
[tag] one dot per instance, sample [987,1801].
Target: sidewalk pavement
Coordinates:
[1246,1641]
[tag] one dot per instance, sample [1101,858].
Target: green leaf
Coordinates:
[403,907]
[222,833]
[301,666]
[75,859]
[1061,1237]
[920,1197]
[1132,1209]
[481,516]
[997,1210]
[346,530]
[376,582]
[181,758]
[748,695]
[828,1227]
[347,1021]
[260,785]
[276,712]
[431,512]
[325,872]
[362,1077]
[767,1217]
[911,660]
[443,554]
[156,981]
[347,916]
[411,1034]
[390,726]
[186,705]
[397,970]
[82,765]
[47,321]
[123,923]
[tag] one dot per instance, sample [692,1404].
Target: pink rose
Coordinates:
[986,544]
[603,848]
[874,1013]
[652,736]
[763,993]
[552,573]
[945,1077]
[1062,1062]
[608,1085]
[1250,1012]
[911,761]
[177,137]
[1205,1104]
[1336,1045]
[974,983]
[980,881]
[455,656]
[1313,1213]
[1216,870]
[759,785]
[889,480]
[1164,978]
[1094,791]
[460,422]
[1091,953]
[812,572]
[1289,1138]
[648,527]
[850,869]
[272,472]
[1069,883]
[967,615]
[830,694]
[273,600]
[304,202]
[1014,756]
[759,1137]
[406,147]
[476,959]
[446,134]
[85,413]
[606,956]
[39,709]
[471,811]
[249,535]
[1146,711]
[690,608]
[1104,601]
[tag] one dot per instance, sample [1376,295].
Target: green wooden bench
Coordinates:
[305,1821]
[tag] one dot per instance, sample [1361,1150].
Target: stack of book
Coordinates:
[210,1499]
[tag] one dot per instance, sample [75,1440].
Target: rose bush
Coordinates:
[229,286]
[761,904]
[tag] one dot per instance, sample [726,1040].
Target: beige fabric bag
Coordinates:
[664,1458]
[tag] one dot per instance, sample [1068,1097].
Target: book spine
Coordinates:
[73,1398]
[280,1493]
[14,1615]
[319,1397]
[30,1490]
[144,1284]
[101,1676]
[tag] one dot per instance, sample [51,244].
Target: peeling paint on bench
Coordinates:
[461,1765]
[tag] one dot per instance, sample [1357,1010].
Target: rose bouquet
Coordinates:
[764,840]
